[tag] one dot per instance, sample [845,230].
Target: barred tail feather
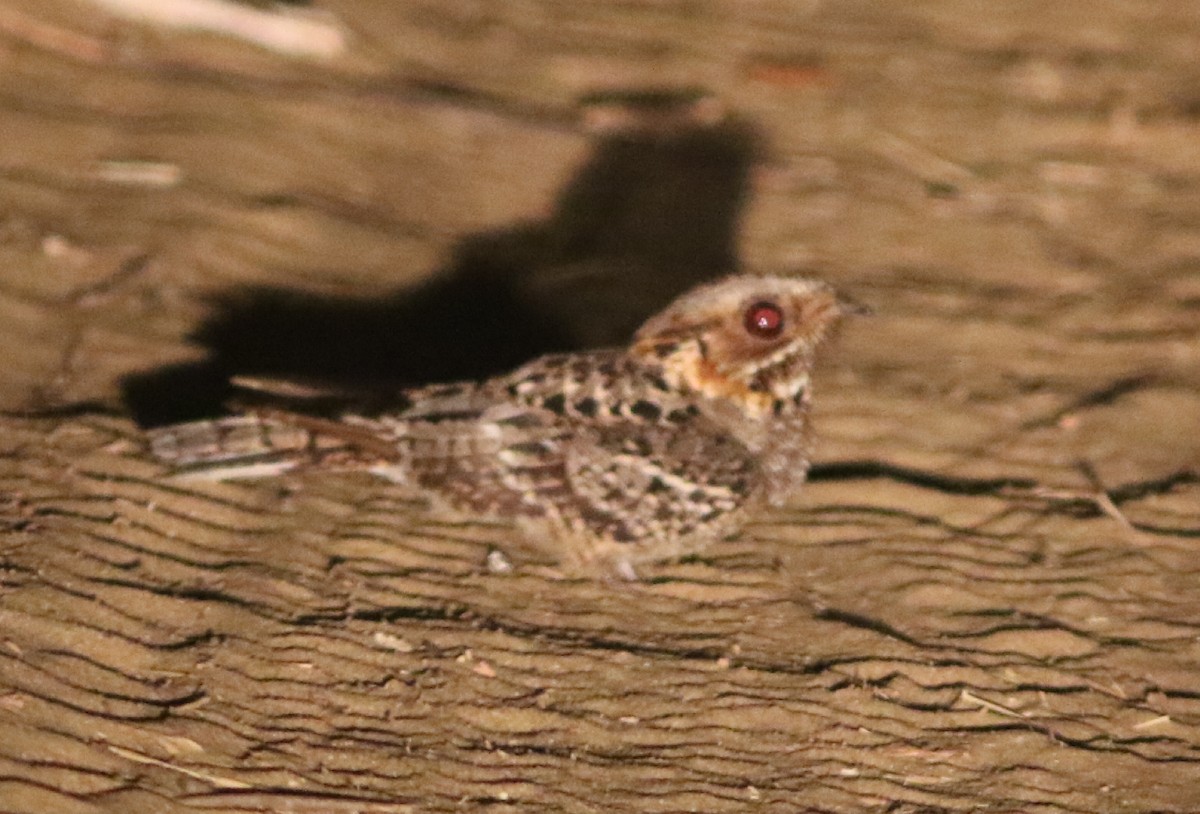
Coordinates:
[240,447]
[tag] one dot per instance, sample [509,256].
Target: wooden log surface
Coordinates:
[988,597]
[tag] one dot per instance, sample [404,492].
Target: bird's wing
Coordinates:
[646,490]
[505,459]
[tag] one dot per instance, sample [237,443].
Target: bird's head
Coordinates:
[748,340]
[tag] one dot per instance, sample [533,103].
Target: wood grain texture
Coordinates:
[986,598]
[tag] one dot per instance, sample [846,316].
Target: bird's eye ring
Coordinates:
[764,320]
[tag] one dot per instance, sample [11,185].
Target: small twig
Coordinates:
[920,161]
[1153,722]
[1098,497]
[138,757]
[286,31]
[1101,497]
[138,173]
[966,696]
[1099,500]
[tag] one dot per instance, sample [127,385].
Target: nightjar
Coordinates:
[604,458]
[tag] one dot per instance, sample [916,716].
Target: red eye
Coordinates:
[764,320]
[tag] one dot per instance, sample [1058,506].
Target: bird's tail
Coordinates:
[255,446]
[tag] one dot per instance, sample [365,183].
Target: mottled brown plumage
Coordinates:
[610,457]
